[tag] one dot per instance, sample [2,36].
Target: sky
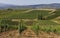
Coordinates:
[28,2]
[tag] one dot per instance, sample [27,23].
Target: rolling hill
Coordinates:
[53,5]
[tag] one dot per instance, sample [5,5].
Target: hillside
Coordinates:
[30,23]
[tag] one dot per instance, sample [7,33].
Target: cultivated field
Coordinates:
[30,23]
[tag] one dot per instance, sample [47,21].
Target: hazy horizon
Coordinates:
[28,2]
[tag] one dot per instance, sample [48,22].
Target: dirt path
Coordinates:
[52,11]
[27,11]
[57,20]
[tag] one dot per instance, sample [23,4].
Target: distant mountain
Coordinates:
[53,5]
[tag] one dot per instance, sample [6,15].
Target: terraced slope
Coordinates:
[55,15]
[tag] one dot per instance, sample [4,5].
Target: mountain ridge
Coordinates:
[52,5]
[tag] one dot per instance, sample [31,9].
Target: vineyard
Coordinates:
[24,21]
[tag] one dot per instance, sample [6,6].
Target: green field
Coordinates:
[40,24]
